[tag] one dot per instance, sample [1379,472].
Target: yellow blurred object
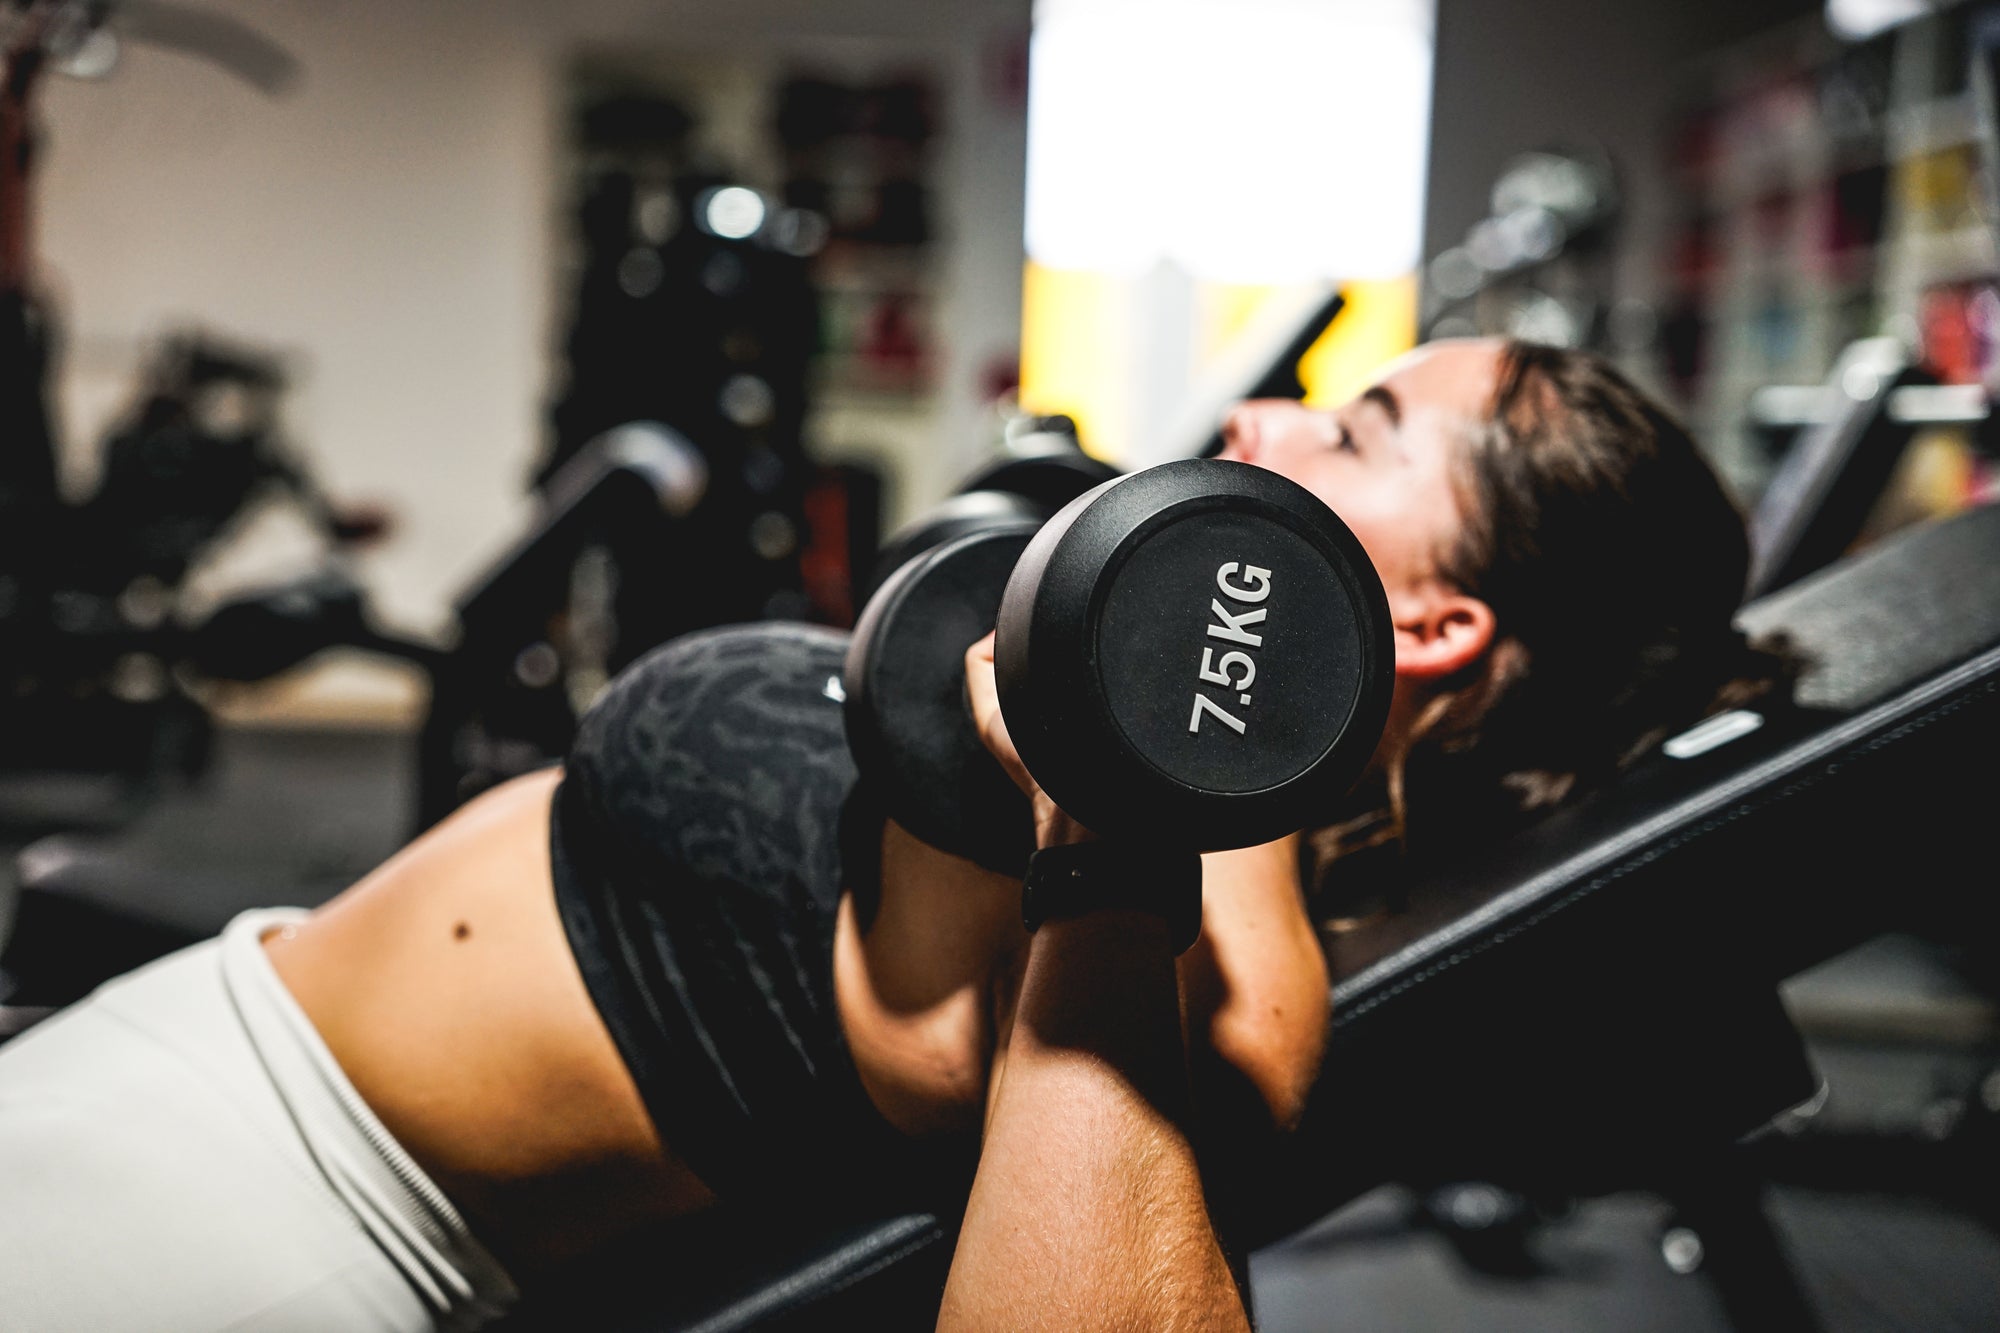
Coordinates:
[1076,341]
[1080,338]
[1378,324]
[1938,188]
[1227,309]
[1936,477]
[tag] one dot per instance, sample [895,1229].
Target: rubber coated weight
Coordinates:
[909,724]
[1027,487]
[955,517]
[1198,652]
[1048,479]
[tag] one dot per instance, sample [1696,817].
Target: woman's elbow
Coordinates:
[1274,1046]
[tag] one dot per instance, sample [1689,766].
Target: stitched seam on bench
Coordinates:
[1819,774]
[1963,682]
[828,1276]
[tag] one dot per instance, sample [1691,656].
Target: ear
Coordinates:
[1439,631]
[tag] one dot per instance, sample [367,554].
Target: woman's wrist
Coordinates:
[1085,971]
[1054,827]
[1104,932]
[1102,988]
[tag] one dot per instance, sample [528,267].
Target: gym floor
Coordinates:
[1885,1206]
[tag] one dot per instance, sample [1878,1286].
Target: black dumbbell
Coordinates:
[1199,652]
[954,517]
[1041,471]
[1043,463]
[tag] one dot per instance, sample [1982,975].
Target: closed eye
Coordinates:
[1334,431]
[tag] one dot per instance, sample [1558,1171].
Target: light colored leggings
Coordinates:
[179,1152]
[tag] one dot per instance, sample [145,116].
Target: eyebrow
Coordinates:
[1385,400]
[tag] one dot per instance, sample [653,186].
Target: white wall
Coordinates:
[392,224]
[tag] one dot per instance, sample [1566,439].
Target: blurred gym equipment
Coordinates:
[89,643]
[677,493]
[1537,266]
[1838,447]
[100,646]
[539,633]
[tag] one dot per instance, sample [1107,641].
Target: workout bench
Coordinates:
[1593,1002]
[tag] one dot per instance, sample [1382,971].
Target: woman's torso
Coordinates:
[449,988]
[444,987]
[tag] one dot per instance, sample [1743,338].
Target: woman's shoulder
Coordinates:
[778,670]
[723,737]
[780,648]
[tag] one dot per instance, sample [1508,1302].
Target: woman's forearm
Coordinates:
[1087,1210]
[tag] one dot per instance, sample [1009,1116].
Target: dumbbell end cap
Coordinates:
[1200,651]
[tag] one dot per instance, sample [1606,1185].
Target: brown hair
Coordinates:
[1614,563]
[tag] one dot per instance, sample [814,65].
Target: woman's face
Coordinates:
[1384,462]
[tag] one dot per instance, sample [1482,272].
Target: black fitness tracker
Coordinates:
[1078,877]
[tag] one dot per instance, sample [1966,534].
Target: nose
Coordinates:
[1240,440]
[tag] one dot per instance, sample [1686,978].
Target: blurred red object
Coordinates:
[1959,324]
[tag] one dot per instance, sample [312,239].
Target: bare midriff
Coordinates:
[445,987]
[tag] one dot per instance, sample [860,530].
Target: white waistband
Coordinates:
[400,1207]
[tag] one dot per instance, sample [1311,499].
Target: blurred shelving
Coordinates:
[1823,192]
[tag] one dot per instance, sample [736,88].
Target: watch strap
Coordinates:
[1078,877]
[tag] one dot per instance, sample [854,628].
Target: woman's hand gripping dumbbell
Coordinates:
[1192,657]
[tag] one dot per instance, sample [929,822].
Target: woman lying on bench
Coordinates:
[697,963]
